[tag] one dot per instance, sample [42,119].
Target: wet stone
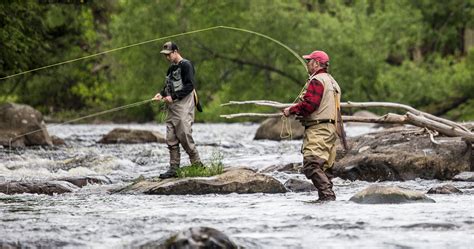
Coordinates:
[48,188]
[82,181]
[57,140]
[129,136]
[297,185]
[25,124]
[194,238]
[466,176]
[241,181]
[389,195]
[444,189]
[400,154]
[291,168]
[275,129]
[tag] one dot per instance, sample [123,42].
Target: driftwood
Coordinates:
[412,116]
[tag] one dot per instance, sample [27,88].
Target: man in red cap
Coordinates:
[318,111]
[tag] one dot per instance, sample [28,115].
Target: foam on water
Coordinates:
[93,218]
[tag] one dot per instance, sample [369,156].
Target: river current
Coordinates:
[93,218]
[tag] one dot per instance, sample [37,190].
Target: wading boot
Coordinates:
[198,164]
[195,159]
[312,168]
[170,173]
[174,162]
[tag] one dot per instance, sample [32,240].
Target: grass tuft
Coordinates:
[215,167]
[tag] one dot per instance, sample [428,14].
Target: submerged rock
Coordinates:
[389,195]
[275,129]
[399,154]
[444,189]
[129,136]
[293,168]
[467,176]
[194,238]
[82,181]
[48,188]
[297,185]
[239,181]
[17,120]
[57,140]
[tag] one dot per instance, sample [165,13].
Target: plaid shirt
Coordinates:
[311,99]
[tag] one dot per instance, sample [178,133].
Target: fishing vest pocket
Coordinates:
[176,80]
[178,85]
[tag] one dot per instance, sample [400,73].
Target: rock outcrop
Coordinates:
[240,181]
[389,195]
[275,129]
[16,120]
[403,154]
[48,188]
[129,136]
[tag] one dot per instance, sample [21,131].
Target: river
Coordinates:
[93,218]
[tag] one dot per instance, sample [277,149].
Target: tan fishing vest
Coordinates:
[327,107]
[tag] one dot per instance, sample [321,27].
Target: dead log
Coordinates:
[350,104]
[413,117]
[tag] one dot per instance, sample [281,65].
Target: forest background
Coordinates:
[416,52]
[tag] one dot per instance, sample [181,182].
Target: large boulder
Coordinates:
[403,154]
[22,125]
[48,188]
[362,114]
[376,194]
[240,181]
[276,129]
[129,136]
[194,238]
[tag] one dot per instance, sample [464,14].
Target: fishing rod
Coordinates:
[139,44]
[158,39]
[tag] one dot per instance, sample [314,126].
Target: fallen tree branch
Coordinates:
[441,128]
[389,118]
[356,105]
[421,120]
[401,106]
[432,134]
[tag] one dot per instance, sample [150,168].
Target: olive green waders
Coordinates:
[319,153]
[179,131]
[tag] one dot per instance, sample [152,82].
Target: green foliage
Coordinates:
[48,34]
[215,167]
[405,51]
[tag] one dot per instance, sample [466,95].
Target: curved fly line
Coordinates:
[142,43]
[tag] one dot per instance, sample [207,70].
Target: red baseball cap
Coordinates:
[318,55]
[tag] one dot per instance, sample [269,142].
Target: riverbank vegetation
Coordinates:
[417,53]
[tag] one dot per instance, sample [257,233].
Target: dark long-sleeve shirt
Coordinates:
[311,99]
[184,70]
